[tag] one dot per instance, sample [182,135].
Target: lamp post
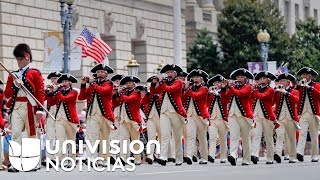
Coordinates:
[264,37]
[66,24]
[133,66]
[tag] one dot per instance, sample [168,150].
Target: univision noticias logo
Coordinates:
[27,156]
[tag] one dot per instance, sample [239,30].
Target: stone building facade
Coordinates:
[140,27]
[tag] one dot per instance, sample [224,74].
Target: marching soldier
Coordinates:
[172,116]
[153,115]
[218,110]
[67,120]
[99,107]
[114,135]
[198,116]
[309,111]
[240,114]
[25,112]
[50,123]
[130,121]
[264,116]
[286,99]
[1,129]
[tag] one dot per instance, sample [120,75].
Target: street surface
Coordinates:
[216,171]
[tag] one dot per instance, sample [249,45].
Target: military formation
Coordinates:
[191,106]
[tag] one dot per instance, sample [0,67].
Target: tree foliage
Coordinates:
[239,24]
[305,46]
[203,54]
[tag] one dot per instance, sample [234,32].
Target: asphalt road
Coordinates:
[283,171]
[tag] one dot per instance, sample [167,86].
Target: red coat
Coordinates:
[33,81]
[174,91]
[1,117]
[265,96]
[66,98]
[153,98]
[243,95]
[222,102]
[292,100]
[314,97]
[103,92]
[131,100]
[144,104]
[115,101]
[199,96]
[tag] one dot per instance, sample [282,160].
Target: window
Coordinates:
[315,13]
[276,3]
[287,13]
[296,9]
[306,12]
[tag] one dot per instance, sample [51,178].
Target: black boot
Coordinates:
[13,170]
[149,161]
[232,160]
[277,158]
[254,159]
[210,159]
[300,157]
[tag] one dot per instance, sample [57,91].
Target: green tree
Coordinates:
[239,24]
[305,45]
[203,54]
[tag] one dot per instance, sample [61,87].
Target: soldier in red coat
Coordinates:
[67,120]
[264,116]
[309,111]
[19,101]
[286,99]
[218,110]
[100,117]
[198,116]
[172,115]
[130,117]
[50,123]
[1,128]
[153,114]
[240,115]
[115,134]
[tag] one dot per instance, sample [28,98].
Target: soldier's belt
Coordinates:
[21,99]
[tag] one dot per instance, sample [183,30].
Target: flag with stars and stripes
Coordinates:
[92,46]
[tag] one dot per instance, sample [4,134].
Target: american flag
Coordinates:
[92,46]
[283,68]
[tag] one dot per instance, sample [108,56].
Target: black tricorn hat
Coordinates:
[286,76]
[128,79]
[241,72]
[172,67]
[142,88]
[215,78]
[151,78]
[102,67]
[307,70]
[54,74]
[266,74]
[68,77]
[117,77]
[198,72]
[182,74]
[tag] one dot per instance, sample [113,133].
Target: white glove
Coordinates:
[17,82]
[282,91]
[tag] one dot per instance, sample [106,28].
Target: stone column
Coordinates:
[177,31]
